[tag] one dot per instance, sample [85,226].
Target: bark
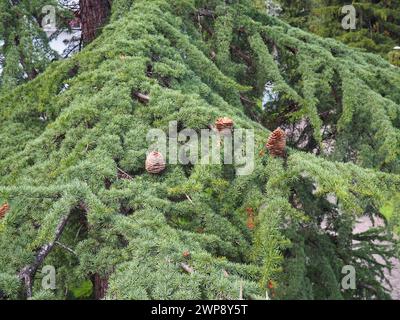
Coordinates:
[187,268]
[94,14]
[100,285]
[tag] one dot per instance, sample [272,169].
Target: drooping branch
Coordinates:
[27,274]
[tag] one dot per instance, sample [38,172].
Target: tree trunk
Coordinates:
[94,14]
[100,286]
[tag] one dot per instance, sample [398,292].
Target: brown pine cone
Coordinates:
[224,123]
[250,218]
[155,162]
[277,143]
[3,210]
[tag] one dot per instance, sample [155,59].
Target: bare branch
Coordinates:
[65,247]
[187,268]
[124,174]
[141,97]
[189,198]
[27,274]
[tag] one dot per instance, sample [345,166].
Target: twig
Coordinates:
[142,97]
[124,173]
[65,247]
[190,199]
[77,233]
[241,290]
[55,34]
[71,49]
[187,268]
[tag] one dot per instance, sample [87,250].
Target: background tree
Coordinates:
[24,51]
[377,22]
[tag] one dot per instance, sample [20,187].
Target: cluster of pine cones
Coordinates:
[277,143]
[155,162]
[3,210]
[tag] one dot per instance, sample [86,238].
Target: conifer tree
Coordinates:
[24,51]
[79,198]
[377,26]
[25,36]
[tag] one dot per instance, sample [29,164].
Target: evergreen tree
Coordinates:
[377,26]
[78,197]
[24,51]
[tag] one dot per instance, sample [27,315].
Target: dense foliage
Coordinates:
[377,26]
[24,46]
[73,150]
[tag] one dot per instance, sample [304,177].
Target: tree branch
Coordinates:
[27,274]
[187,268]
[65,247]
[124,174]
[205,13]
[141,97]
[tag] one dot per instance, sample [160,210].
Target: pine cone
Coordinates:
[277,143]
[250,218]
[155,162]
[3,210]
[224,123]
